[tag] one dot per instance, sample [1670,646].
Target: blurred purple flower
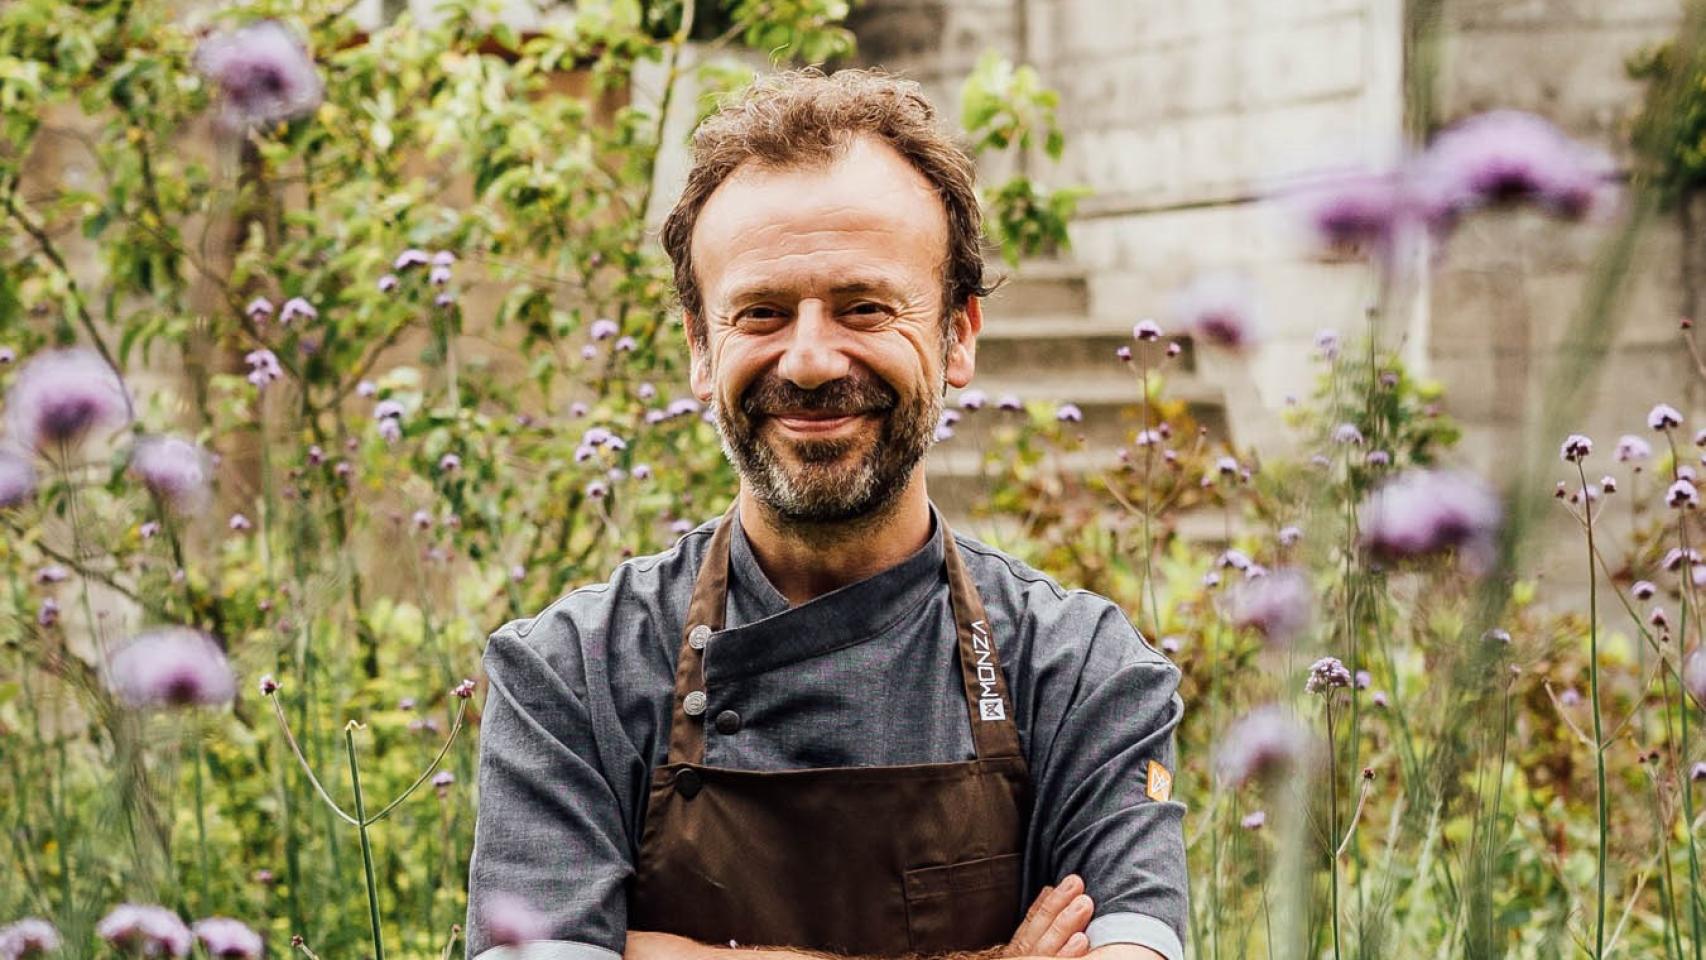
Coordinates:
[171,667]
[1663,417]
[225,937]
[239,522]
[388,283]
[1508,156]
[1265,743]
[48,613]
[1353,211]
[1347,433]
[1643,590]
[449,463]
[443,258]
[61,396]
[1254,820]
[1378,698]
[509,920]
[973,399]
[412,257]
[596,490]
[145,930]
[52,573]
[1289,535]
[264,71]
[589,352]
[603,329]
[297,307]
[1378,458]
[1171,644]
[1575,448]
[1219,308]
[684,407]
[175,470]
[1423,512]
[29,937]
[1147,331]
[258,308]
[680,527]
[17,479]
[1676,555]
[263,367]
[1327,344]
[444,300]
[1069,413]
[1278,606]
[626,344]
[443,778]
[1122,353]
[1682,495]
[1009,402]
[439,276]
[1363,679]
[1327,674]
[1694,675]
[1698,772]
[366,388]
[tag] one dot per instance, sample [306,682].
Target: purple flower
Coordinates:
[1009,402]
[1576,448]
[626,345]
[1675,556]
[596,490]
[411,257]
[1147,331]
[366,388]
[148,530]
[1278,606]
[1327,344]
[509,921]
[388,283]
[1356,211]
[1363,679]
[145,930]
[61,396]
[1700,437]
[1505,157]
[29,937]
[681,527]
[264,71]
[463,690]
[1255,820]
[48,613]
[297,307]
[268,685]
[439,276]
[1698,772]
[175,470]
[7,355]
[52,573]
[1171,644]
[17,479]
[388,410]
[1289,535]
[1219,308]
[263,367]
[422,520]
[518,573]
[1122,353]
[589,352]
[684,407]
[1663,417]
[603,329]
[1423,512]
[1682,495]
[1643,590]
[259,308]
[1263,744]
[1378,698]
[973,399]
[1694,675]
[239,522]
[171,667]
[443,258]
[1378,458]
[449,463]
[443,778]
[1069,413]
[1347,433]
[225,937]
[1327,674]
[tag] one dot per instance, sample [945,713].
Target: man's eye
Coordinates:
[761,313]
[868,309]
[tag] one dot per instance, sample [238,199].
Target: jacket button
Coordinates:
[688,782]
[694,703]
[697,636]
[728,722]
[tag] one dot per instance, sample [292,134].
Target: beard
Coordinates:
[810,482]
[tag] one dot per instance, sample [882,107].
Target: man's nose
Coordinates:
[813,356]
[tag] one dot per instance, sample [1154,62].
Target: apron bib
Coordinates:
[864,860]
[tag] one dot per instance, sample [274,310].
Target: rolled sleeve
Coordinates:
[549,829]
[1127,846]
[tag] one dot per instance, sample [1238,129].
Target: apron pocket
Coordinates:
[968,905]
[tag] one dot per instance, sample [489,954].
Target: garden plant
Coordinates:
[326,351]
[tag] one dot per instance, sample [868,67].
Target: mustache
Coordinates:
[853,394]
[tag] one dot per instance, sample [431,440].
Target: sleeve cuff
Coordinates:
[554,950]
[1137,928]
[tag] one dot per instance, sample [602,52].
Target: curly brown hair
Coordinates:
[803,117]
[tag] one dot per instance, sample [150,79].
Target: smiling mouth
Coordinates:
[814,422]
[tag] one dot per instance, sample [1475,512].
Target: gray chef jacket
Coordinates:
[580,702]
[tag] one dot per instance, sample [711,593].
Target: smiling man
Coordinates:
[824,723]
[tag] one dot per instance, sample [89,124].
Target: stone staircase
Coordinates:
[1043,341]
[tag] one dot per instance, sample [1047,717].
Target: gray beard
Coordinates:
[823,491]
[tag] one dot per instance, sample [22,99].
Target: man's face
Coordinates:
[824,362]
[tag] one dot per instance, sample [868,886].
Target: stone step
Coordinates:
[1109,401]
[1040,288]
[1023,347]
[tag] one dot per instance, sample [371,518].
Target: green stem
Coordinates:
[366,843]
[1598,731]
[1688,600]
[201,824]
[1333,825]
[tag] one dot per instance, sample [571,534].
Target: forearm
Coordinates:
[669,947]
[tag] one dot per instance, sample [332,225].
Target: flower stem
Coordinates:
[366,843]
[1598,731]
[1333,824]
[1688,600]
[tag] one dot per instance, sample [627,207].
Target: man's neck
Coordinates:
[805,563]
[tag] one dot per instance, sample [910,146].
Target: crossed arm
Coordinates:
[1053,929]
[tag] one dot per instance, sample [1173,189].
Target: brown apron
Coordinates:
[865,860]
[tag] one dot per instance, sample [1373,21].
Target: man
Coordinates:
[823,723]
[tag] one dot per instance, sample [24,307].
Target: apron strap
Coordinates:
[990,708]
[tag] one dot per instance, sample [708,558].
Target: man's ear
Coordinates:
[962,356]
[699,360]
